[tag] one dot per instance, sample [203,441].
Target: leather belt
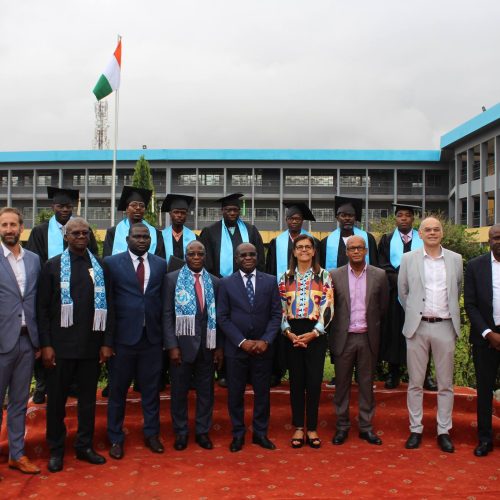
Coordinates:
[24,331]
[432,320]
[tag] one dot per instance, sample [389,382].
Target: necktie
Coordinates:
[199,291]
[250,290]
[406,238]
[140,273]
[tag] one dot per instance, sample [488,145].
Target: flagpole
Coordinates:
[113,169]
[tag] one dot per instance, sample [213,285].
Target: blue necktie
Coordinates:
[250,290]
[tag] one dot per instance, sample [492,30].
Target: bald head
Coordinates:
[431,233]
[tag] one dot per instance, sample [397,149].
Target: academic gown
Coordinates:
[38,241]
[107,249]
[392,342]
[211,238]
[342,256]
[178,247]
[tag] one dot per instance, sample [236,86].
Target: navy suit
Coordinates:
[196,360]
[238,321]
[138,341]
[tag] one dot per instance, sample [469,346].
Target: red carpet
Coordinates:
[355,470]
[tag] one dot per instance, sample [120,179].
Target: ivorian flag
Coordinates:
[110,78]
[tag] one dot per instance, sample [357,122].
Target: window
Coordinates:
[296,180]
[265,214]
[323,180]
[99,180]
[434,180]
[208,214]
[204,179]
[353,181]
[20,180]
[79,180]
[99,213]
[44,180]
[186,180]
[324,214]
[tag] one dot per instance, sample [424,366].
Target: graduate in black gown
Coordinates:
[277,261]
[133,202]
[391,248]
[333,250]
[47,241]
[177,236]
[222,238]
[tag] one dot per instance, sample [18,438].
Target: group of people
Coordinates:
[215,302]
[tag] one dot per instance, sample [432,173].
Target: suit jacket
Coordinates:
[411,288]
[377,300]
[239,320]
[478,298]
[12,303]
[132,307]
[189,345]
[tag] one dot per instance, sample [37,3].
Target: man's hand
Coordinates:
[48,357]
[248,346]
[105,353]
[38,353]
[175,356]
[218,358]
[260,347]
[494,339]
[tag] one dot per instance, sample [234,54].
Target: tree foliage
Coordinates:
[43,215]
[143,178]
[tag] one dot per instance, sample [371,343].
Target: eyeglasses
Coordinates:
[136,204]
[195,254]
[356,249]
[77,234]
[303,248]
[248,254]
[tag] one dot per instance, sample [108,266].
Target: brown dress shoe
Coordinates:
[24,465]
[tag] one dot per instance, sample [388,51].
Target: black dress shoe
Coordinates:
[38,397]
[222,383]
[236,444]
[444,442]
[263,441]
[204,441]
[371,437]
[392,381]
[340,437]
[90,456]
[55,464]
[116,451]
[483,448]
[154,444]
[413,442]
[429,384]
[181,442]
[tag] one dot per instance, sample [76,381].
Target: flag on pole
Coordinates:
[110,78]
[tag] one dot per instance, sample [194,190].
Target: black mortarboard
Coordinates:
[404,206]
[130,193]
[298,207]
[63,196]
[179,201]
[342,202]
[231,200]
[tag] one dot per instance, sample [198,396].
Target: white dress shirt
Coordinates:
[19,270]
[135,261]
[495,279]
[436,294]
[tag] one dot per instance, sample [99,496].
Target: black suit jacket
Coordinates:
[478,298]
[189,345]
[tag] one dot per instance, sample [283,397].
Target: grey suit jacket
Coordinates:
[377,300]
[411,288]
[12,303]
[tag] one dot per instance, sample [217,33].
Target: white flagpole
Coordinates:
[113,169]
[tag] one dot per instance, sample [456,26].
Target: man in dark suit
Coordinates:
[189,327]
[361,300]
[138,293]
[482,303]
[75,333]
[47,241]
[18,332]
[249,315]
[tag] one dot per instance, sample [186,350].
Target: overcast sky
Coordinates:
[356,74]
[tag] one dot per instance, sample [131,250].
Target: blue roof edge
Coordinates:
[376,155]
[470,126]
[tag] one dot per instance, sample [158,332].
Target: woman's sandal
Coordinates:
[313,442]
[298,442]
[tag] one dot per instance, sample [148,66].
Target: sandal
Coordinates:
[298,442]
[313,442]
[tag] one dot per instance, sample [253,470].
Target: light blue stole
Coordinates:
[121,233]
[397,246]
[282,252]
[332,247]
[55,239]
[187,237]
[226,257]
